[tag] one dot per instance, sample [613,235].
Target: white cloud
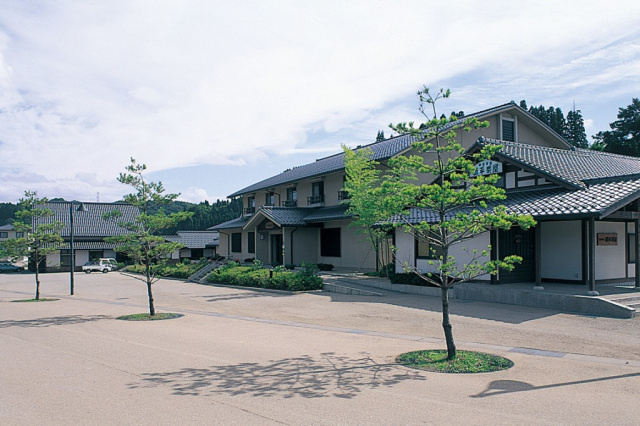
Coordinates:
[86,85]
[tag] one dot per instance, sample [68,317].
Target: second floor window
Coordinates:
[270,199]
[292,198]
[508,130]
[317,193]
[251,205]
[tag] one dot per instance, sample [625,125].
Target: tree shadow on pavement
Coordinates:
[500,387]
[243,295]
[51,321]
[329,375]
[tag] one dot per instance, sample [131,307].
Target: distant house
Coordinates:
[89,232]
[197,244]
[7,232]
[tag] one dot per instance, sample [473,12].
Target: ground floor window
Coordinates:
[65,258]
[95,254]
[330,242]
[236,242]
[425,250]
[631,248]
[251,242]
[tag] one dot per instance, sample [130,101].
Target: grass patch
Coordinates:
[42,299]
[147,317]
[464,362]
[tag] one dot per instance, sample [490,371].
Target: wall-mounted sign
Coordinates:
[488,167]
[269,225]
[609,239]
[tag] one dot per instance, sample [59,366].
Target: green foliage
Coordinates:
[279,279]
[7,212]
[41,233]
[141,243]
[456,197]
[624,136]
[571,128]
[465,362]
[309,269]
[325,266]
[165,269]
[380,136]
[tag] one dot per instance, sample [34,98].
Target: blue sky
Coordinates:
[214,96]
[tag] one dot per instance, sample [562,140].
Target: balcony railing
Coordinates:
[290,203]
[249,210]
[315,199]
[343,195]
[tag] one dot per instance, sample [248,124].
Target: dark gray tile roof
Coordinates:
[88,245]
[597,183]
[6,227]
[236,223]
[291,216]
[89,222]
[326,214]
[285,216]
[195,239]
[577,167]
[381,150]
[598,200]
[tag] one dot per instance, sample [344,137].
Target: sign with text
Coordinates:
[608,239]
[488,167]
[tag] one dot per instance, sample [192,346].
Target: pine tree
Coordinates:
[575,133]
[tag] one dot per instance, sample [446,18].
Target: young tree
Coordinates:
[624,136]
[366,201]
[41,233]
[456,198]
[142,243]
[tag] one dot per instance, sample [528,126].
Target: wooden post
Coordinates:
[637,252]
[538,256]
[493,240]
[592,258]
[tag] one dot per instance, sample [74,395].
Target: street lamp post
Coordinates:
[71,249]
[72,254]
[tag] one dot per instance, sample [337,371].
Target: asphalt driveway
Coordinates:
[240,356]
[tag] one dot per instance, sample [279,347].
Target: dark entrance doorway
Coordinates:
[521,243]
[276,249]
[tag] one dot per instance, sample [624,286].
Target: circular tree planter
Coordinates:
[147,317]
[42,299]
[464,362]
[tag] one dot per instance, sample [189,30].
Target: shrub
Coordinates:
[279,278]
[325,266]
[164,269]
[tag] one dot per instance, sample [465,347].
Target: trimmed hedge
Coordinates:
[250,276]
[164,269]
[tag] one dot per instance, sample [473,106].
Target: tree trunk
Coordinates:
[37,284]
[152,309]
[446,325]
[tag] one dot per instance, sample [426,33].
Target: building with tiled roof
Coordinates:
[89,231]
[585,203]
[299,214]
[196,244]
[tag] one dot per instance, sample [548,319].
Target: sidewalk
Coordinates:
[570,298]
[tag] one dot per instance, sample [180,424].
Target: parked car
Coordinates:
[10,267]
[112,262]
[101,265]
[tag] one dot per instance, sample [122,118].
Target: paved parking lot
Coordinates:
[252,357]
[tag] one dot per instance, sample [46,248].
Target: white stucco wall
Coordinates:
[304,247]
[611,260]
[462,252]
[355,250]
[561,253]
